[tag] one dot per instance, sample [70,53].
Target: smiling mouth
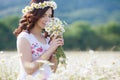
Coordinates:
[44,24]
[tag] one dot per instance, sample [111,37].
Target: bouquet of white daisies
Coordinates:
[55,27]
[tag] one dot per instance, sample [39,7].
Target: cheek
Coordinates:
[39,22]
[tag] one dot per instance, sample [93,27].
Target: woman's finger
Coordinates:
[59,44]
[54,37]
[59,39]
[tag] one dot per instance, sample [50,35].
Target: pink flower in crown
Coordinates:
[40,49]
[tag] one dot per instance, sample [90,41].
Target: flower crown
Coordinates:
[40,5]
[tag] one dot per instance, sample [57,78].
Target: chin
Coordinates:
[43,27]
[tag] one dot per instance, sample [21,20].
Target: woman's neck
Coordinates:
[36,31]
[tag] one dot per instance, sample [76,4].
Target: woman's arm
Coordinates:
[54,60]
[29,65]
[24,48]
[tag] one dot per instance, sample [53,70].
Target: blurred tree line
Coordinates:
[7,26]
[78,36]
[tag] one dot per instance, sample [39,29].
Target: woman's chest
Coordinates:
[38,49]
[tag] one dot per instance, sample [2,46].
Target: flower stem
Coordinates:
[60,54]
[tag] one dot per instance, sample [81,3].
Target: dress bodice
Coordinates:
[37,49]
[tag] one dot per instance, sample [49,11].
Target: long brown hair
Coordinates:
[28,20]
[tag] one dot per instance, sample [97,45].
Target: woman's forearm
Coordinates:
[55,62]
[36,64]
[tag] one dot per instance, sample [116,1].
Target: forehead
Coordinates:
[49,11]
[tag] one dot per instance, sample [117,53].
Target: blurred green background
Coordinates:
[92,24]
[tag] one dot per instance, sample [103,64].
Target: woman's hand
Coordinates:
[55,42]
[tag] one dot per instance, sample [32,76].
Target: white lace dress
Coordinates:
[37,50]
